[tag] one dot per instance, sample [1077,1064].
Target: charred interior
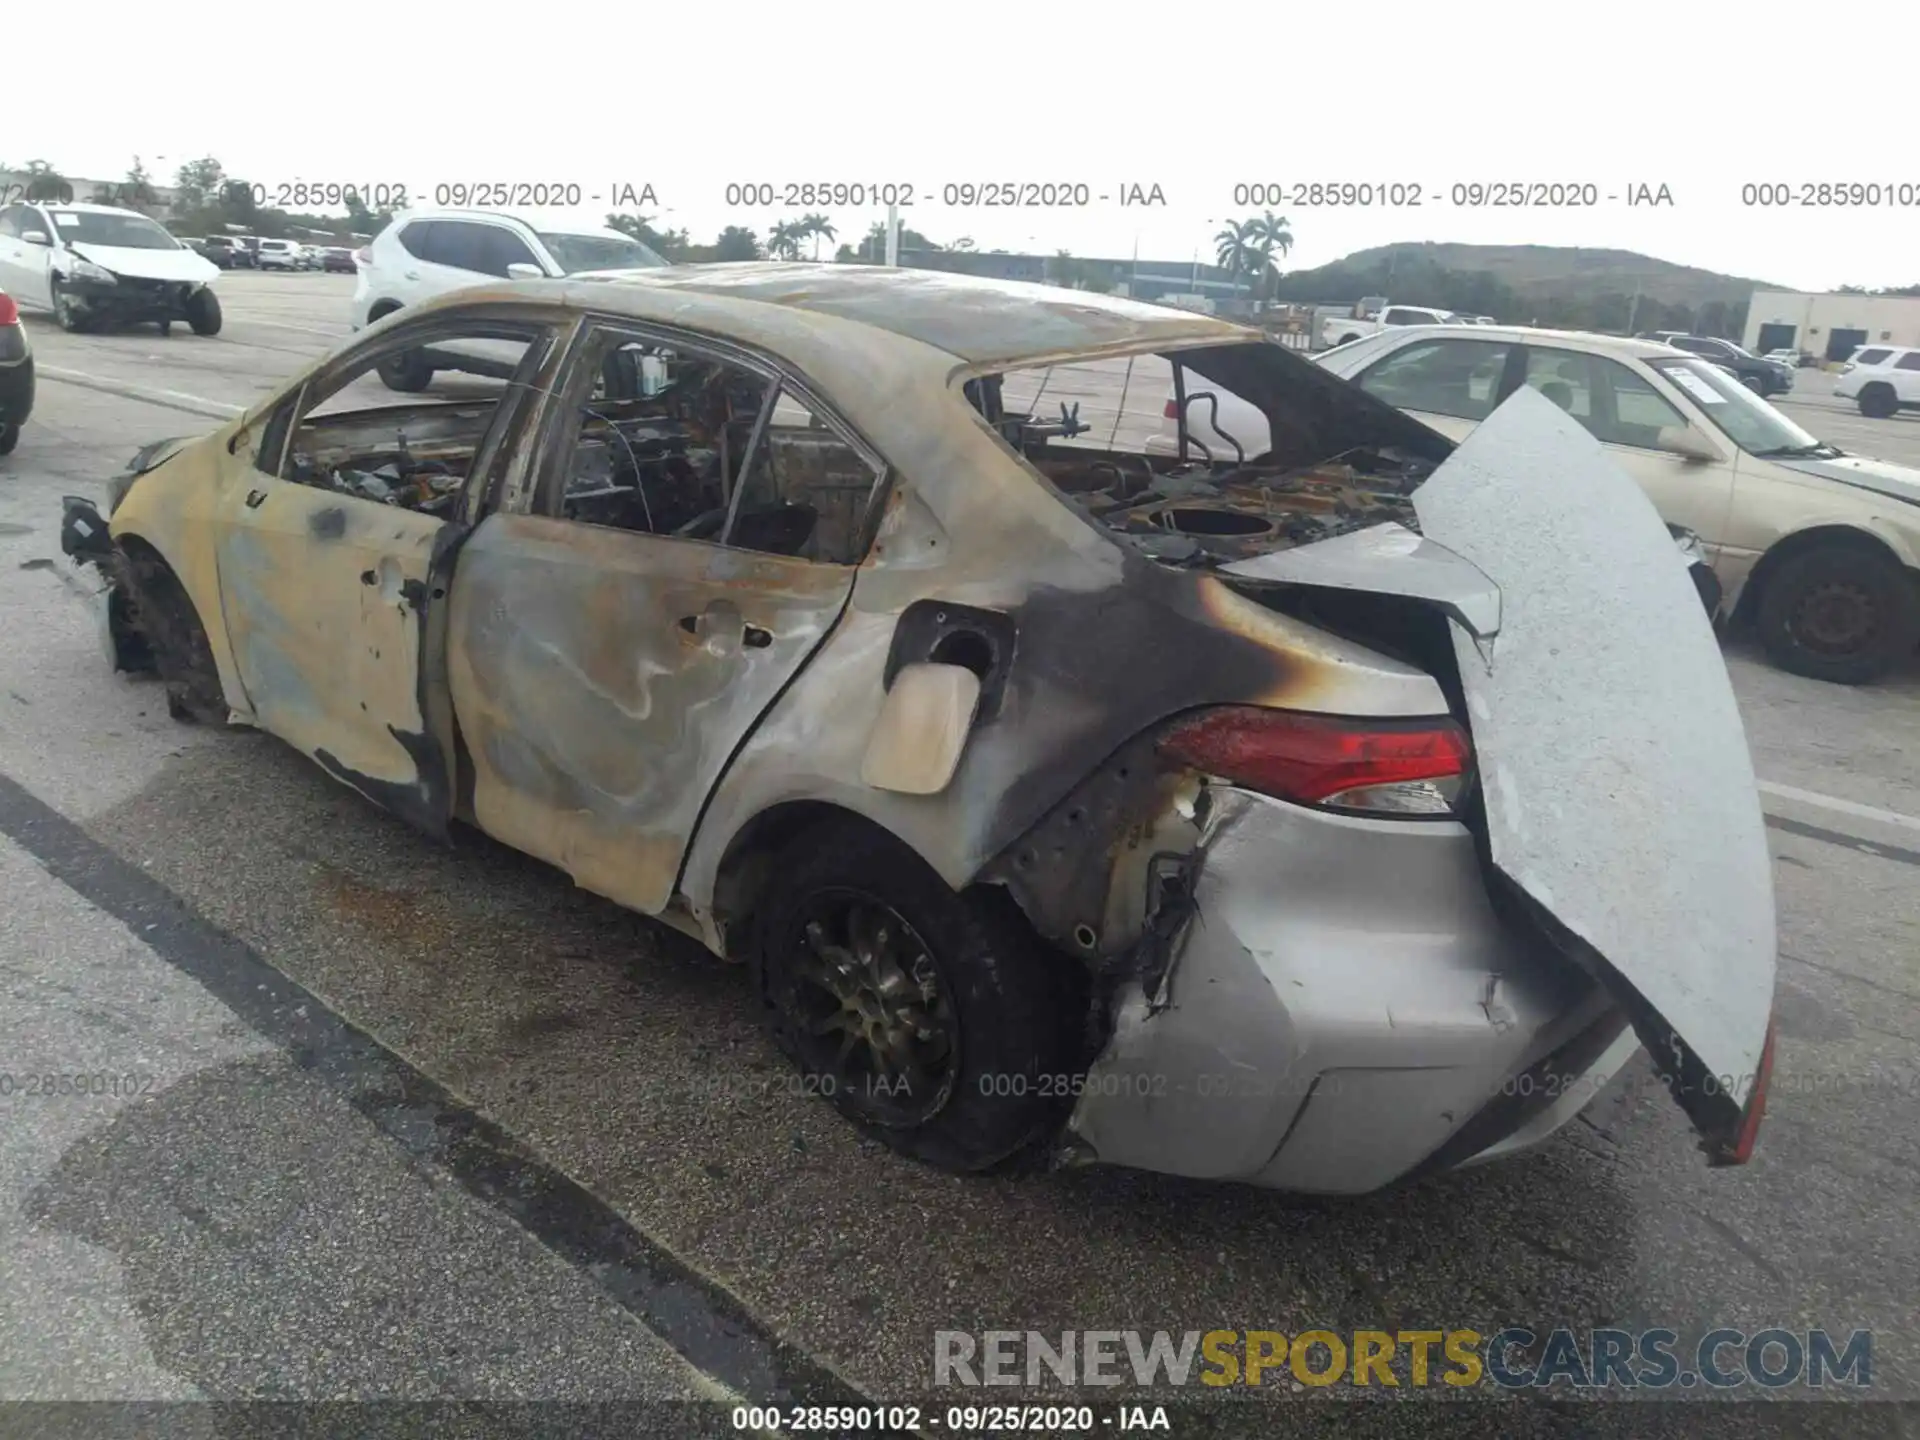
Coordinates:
[663,443]
[672,443]
[415,457]
[1336,464]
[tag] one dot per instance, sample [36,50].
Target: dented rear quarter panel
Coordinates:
[1106,643]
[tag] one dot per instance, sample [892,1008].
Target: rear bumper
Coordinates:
[1344,1004]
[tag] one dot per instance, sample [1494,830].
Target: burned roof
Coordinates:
[976,320]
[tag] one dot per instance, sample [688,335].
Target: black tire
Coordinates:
[1756,383]
[64,315]
[203,311]
[408,373]
[1843,613]
[996,1014]
[9,437]
[1878,402]
[1348,339]
[178,644]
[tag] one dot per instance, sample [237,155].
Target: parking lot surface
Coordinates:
[407,1121]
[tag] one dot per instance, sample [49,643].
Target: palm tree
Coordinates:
[783,240]
[816,227]
[1271,233]
[1234,248]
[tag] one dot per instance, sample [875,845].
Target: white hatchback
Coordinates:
[426,253]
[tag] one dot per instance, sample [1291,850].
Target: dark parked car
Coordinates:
[16,374]
[337,260]
[1763,377]
[222,250]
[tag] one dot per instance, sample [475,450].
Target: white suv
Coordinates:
[279,255]
[425,253]
[1882,379]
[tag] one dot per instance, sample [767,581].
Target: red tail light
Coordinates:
[1382,767]
[9,312]
[1172,412]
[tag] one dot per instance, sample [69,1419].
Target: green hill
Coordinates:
[1566,285]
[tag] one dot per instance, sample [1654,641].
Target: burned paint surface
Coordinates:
[176,507]
[322,597]
[602,680]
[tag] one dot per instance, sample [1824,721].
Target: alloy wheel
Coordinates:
[871,1009]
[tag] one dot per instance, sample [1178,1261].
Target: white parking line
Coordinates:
[172,399]
[340,334]
[1843,807]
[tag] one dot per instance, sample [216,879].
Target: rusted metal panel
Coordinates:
[324,597]
[602,679]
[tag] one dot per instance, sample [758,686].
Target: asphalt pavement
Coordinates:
[383,1120]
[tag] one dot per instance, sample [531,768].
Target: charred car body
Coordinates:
[1315,818]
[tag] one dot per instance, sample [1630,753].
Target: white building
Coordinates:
[1831,326]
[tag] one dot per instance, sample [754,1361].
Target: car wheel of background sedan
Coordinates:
[1878,402]
[409,373]
[936,1021]
[203,311]
[9,437]
[1840,613]
[65,313]
[1754,383]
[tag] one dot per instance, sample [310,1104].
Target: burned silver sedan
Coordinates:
[1314,818]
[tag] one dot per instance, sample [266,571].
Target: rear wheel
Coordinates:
[1754,383]
[1842,613]
[1878,402]
[203,311]
[9,437]
[936,1021]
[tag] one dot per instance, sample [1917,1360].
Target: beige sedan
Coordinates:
[1818,551]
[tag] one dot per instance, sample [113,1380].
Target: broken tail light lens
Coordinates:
[363,256]
[1414,769]
[9,312]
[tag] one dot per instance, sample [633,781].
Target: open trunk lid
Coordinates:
[1620,801]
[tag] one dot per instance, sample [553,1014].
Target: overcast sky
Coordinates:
[1702,99]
